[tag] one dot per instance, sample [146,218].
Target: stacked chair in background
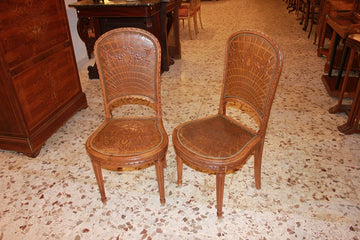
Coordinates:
[191,10]
[338,21]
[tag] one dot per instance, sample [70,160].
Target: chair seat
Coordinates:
[343,21]
[183,12]
[187,6]
[127,137]
[214,138]
[337,7]
[184,5]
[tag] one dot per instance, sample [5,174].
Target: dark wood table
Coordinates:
[159,17]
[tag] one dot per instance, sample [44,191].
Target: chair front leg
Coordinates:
[159,165]
[195,23]
[220,182]
[99,179]
[189,25]
[257,164]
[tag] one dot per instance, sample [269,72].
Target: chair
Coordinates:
[329,8]
[221,143]
[304,8]
[314,15]
[353,110]
[191,10]
[129,60]
[342,25]
[310,14]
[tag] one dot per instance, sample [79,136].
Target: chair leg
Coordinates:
[199,13]
[257,164]
[352,124]
[195,24]
[307,11]
[321,41]
[189,25]
[160,179]
[164,162]
[220,182]
[312,19]
[339,107]
[311,26]
[315,38]
[99,179]
[179,170]
[332,53]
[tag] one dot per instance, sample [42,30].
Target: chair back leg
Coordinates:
[189,26]
[195,24]
[179,170]
[220,182]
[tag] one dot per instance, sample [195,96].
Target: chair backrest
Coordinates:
[128,61]
[194,5]
[253,63]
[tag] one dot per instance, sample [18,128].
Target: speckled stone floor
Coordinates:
[310,174]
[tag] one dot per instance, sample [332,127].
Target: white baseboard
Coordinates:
[80,63]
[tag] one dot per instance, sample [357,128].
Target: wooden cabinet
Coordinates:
[39,82]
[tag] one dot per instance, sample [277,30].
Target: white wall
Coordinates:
[79,45]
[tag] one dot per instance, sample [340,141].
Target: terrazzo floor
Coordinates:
[310,173]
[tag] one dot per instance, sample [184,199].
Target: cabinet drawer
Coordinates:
[36,21]
[45,87]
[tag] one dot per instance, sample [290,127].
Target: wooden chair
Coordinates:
[314,15]
[342,25]
[221,144]
[129,61]
[310,14]
[304,8]
[329,8]
[191,10]
[353,110]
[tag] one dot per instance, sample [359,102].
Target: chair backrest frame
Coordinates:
[253,64]
[129,61]
[194,5]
